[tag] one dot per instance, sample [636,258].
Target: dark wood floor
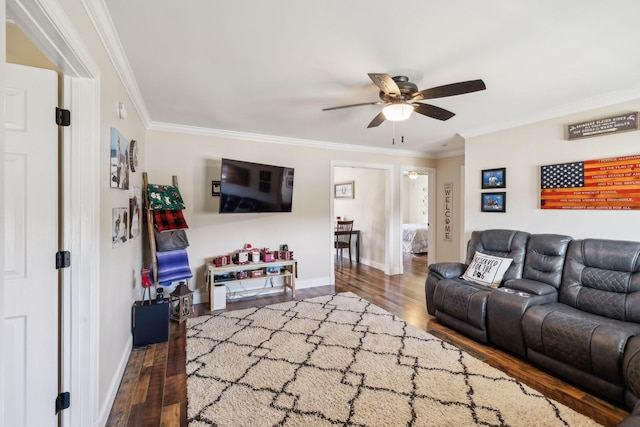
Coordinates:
[153,389]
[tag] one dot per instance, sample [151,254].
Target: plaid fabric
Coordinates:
[169,220]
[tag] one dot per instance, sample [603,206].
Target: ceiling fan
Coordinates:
[400,98]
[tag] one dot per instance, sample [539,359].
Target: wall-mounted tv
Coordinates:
[253,187]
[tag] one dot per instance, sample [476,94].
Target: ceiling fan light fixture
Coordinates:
[397,112]
[413,174]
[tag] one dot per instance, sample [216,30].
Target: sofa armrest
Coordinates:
[532,287]
[506,307]
[633,420]
[631,371]
[437,272]
[448,270]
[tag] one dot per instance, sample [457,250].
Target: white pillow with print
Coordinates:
[486,270]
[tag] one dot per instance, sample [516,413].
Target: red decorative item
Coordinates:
[267,256]
[146,282]
[221,261]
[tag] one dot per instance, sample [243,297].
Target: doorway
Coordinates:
[47,26]
[376,200]
[417,203]
[369,205]
[364,204]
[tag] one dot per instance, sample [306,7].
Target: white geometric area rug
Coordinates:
[340,360]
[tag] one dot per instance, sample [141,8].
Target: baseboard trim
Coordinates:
[107,404]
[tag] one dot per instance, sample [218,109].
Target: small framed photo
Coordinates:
[343,190]
[494,202]
[215,188]
[494,178]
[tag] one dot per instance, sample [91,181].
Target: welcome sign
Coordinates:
[448,211]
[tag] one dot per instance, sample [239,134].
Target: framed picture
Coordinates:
[119,161]
[494,202]
[215,188]
[494,178]
[135,211]
[343,190]
[120,226]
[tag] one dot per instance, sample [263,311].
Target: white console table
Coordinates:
[289,273]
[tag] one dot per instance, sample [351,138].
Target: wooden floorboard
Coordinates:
[153,391]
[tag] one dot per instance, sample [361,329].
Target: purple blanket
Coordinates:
[173,266]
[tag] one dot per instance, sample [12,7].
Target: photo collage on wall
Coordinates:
[126,220]
[495,201]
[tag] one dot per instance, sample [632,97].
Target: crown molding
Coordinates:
[611,98]
[101,20]
[99,16]
[255,137]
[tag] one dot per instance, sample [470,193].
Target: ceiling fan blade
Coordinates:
[385,83]
[377,120]
[353,105]
[432,111]
[450,90]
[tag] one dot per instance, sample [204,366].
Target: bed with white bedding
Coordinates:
[415,238]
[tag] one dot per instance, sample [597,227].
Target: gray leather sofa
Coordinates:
[569,306]
[460,304]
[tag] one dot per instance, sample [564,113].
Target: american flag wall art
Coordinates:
[605,184]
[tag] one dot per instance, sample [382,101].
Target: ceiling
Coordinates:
[264,70]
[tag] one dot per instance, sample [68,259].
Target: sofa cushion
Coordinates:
[464,301]
[486,270]
[462,306]
[545,258]
[501,243]
[603,277]
[591,343]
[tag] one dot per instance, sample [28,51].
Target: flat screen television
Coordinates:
[247,187]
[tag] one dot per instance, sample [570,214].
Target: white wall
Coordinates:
[522,151]
[308,229]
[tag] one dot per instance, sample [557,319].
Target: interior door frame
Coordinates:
[391,257]
[431,215]
[48,27]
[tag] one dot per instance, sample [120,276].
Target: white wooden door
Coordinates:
[31,230]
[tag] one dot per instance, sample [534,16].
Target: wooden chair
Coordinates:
[343,238]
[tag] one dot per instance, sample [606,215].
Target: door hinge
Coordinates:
[63,259]
[63,401]
[63,117]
